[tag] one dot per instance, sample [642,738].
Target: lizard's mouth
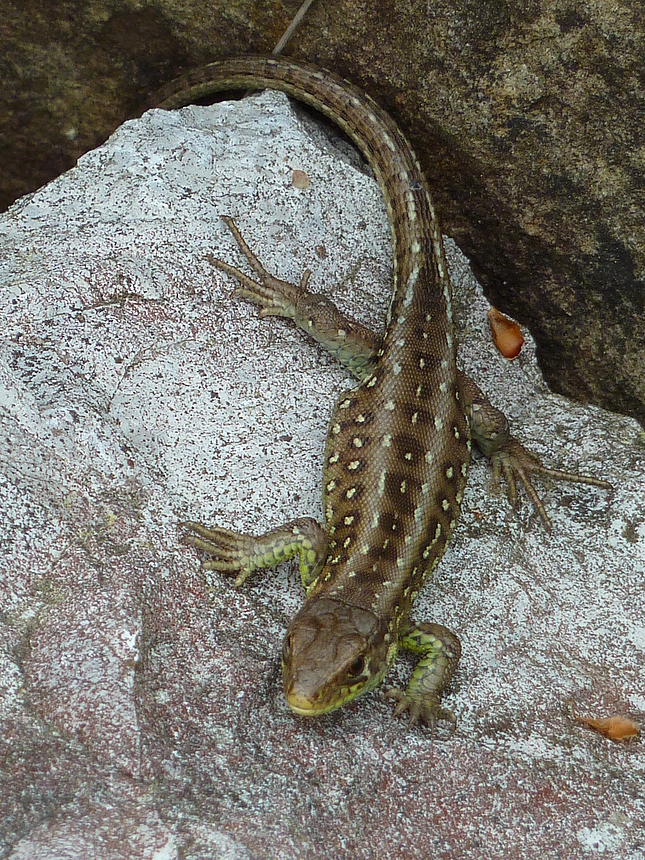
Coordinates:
[301,705]
[304,706]
[315,706]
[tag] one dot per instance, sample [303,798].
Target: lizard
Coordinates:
[398,445]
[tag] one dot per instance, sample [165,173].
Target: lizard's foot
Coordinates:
[439,650]
[516,463]
[231,552]
[426,708]
[240,555]
[273,296]
[351,343]
[489,428]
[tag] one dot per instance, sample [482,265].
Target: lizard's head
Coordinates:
[332,653]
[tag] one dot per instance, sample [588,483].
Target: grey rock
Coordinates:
[141,710]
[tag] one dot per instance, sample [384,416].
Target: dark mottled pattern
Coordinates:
[393,473]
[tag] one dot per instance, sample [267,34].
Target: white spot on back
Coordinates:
[381,482]
[409,292]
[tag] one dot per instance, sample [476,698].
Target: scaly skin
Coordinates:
[398,445]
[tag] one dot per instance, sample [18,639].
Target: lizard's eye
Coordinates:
[286,649]
[356,667]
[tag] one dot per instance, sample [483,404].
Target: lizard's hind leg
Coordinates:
[351,343]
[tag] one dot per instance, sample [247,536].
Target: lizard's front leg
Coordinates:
[440,651]
[240,555]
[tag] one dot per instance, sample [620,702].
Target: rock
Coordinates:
[141,711]
[527,118]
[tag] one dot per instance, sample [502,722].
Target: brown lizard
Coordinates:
[398,446]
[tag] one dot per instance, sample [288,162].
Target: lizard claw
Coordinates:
[230,551]
[490,430]
[272,295]
[516,463]
[238,554]
[426,709]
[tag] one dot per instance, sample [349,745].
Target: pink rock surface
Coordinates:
[141,706]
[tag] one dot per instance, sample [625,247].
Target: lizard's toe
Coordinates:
[424,709]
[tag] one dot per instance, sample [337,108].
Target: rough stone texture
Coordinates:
[527,115]
[141,714]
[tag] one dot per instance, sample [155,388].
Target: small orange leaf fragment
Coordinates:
[299,179]
[615,728]
[507,336]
